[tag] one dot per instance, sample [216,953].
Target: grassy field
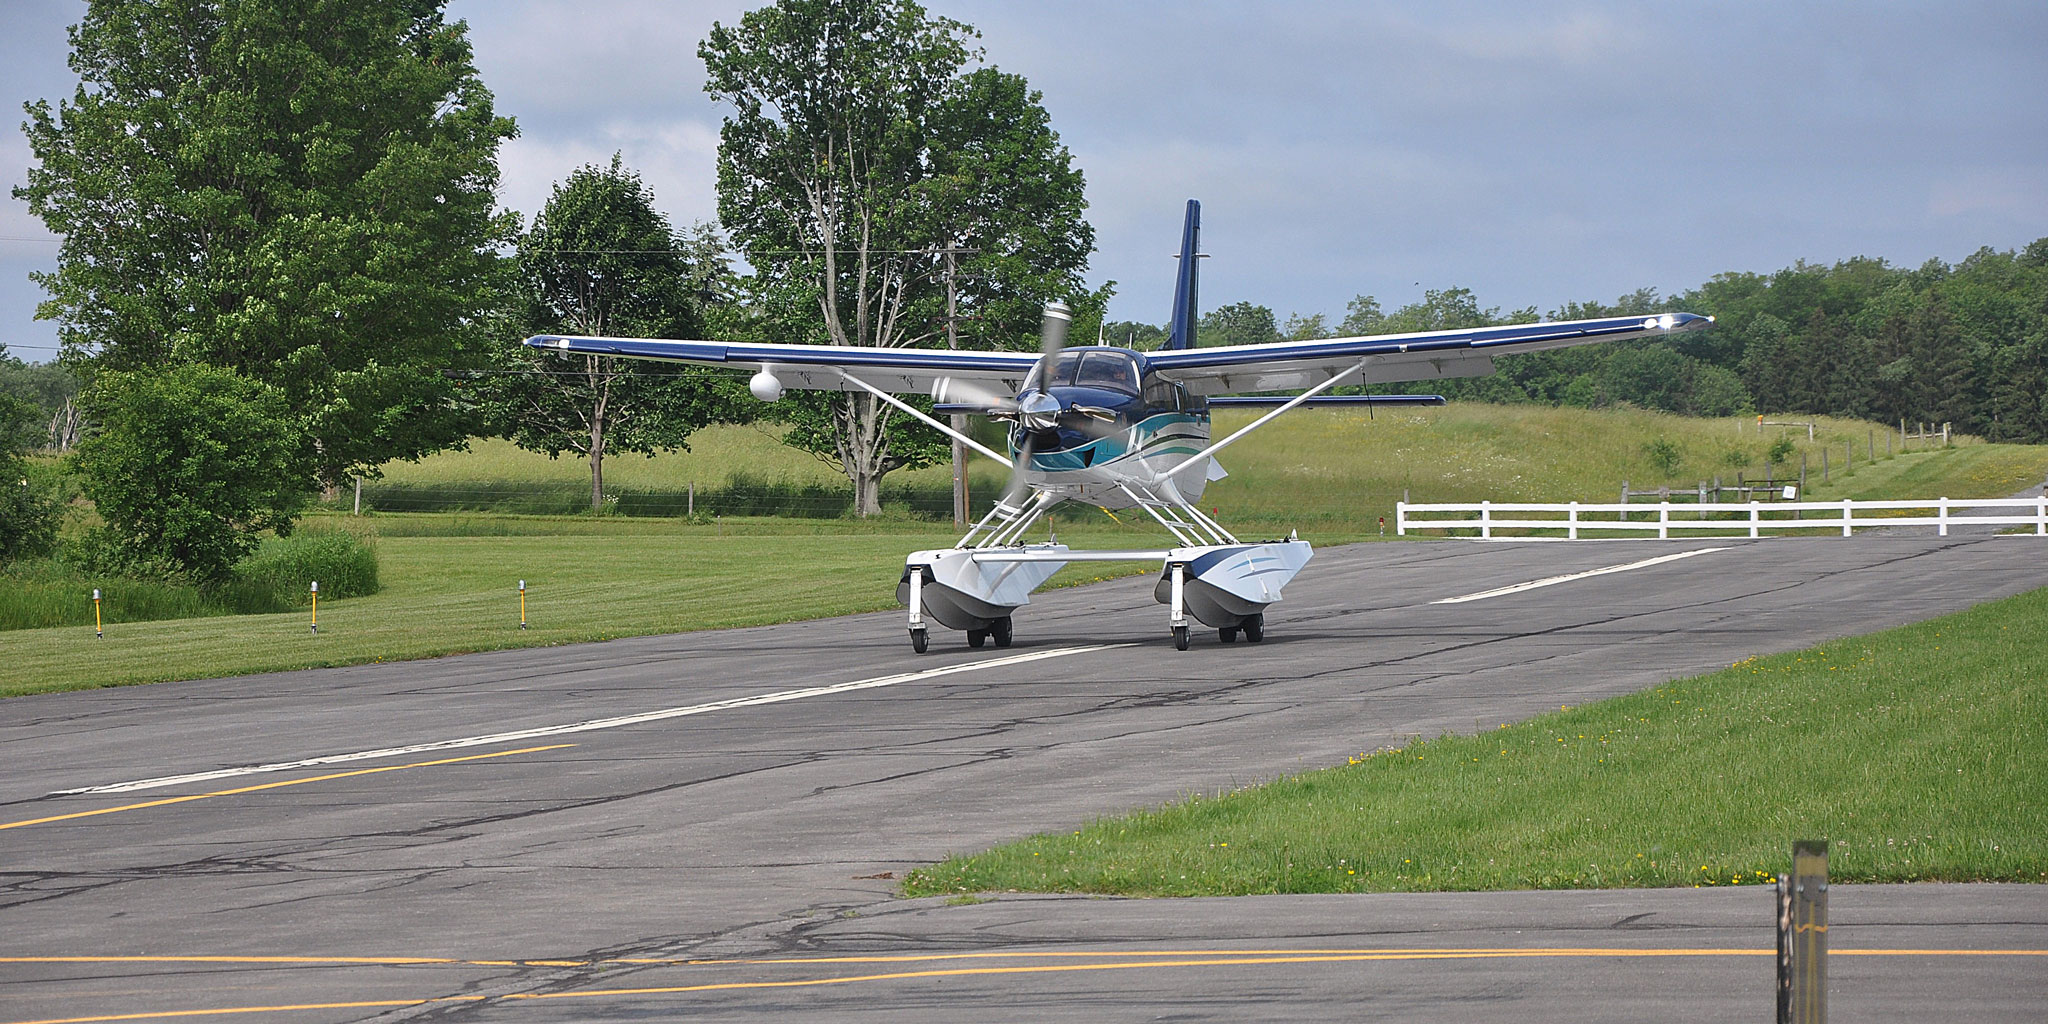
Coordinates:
[1339,469]
[450,578]
[1920,754]
[450,585]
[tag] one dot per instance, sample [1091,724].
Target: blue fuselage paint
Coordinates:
[1119,422]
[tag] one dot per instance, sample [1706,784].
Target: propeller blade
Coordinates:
[1052,337]
[972,397]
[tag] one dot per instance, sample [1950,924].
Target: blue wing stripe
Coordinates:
[1017,363]
[1480,339]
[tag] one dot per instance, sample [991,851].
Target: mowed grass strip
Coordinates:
[451,594]
[1920,753]
[451,586]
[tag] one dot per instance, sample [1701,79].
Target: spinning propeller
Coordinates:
[1036,410]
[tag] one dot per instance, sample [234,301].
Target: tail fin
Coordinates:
[1182,333]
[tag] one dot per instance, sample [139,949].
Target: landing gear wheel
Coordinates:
[977,637]
[919,640]
[1255,628]
[1000,629]
[1227,634]
[1180,638]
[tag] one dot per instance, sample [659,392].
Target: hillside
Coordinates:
[1333,469]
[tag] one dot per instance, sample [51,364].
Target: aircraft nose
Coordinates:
[1039,411]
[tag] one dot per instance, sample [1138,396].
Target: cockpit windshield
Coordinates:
[1114,371]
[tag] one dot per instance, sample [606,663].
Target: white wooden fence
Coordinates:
[1666,518]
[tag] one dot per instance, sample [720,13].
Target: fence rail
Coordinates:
[1721,517]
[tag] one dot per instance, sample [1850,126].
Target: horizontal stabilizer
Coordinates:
[1258,400]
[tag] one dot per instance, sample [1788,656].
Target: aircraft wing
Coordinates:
[1298,365]
[816,367]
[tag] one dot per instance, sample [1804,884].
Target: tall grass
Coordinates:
[1327,469]
[57,592]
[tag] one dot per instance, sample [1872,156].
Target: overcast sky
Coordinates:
[1533,153]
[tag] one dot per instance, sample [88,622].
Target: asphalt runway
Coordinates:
[711,825]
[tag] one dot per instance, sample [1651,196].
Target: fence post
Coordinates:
[2041,514]
[1845,517]
[1823,465]
[1573,531]
[1401,516]
[1754,509]
[1944,435]
[1486,520]
[692,509]
[1664,519]
[1942,517]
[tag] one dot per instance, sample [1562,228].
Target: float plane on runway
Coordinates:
[1118,428]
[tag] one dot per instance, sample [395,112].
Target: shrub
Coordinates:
[189,465]
[278,576]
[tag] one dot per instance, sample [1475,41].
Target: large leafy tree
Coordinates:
[881,193]
[300,190]
[601,260]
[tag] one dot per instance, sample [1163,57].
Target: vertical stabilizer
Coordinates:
[1182,334]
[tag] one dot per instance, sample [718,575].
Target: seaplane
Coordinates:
[1120,429]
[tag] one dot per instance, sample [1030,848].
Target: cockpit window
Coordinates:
[1112,370]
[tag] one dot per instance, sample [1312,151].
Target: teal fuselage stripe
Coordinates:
[1155,435]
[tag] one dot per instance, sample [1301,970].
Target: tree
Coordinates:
[301,190]
[868,180]
[188,465]
[28,519]
[1240,323]
[601,260]
[1307,327]
[1362,318]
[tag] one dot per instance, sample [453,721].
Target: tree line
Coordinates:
[1965,344]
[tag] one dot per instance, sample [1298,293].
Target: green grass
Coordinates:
[1335,469]
[449,578]
[49,592]
[450,585]
[1920,753]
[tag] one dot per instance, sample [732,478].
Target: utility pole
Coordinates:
[959,421]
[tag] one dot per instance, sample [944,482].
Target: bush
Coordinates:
[278,576]
[40,593]
[189,465]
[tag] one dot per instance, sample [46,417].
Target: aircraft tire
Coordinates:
[1180,638]
[1255,628]
[1227,634]
[919,640]
[1000,630]
[977,637]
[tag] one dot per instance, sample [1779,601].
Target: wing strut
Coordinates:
[907,407]
[1261,421]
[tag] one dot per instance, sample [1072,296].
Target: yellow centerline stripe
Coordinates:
[1503,951]
[276,785]
[160,1014]
[1236,958]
